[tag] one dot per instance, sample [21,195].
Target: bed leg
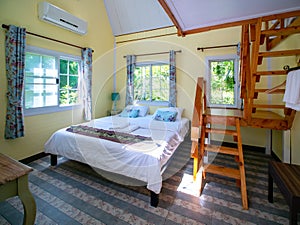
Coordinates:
[53,160]
[154,198]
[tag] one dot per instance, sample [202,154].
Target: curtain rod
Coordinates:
[288,69]
[51,39]
[154,53]
[220,46]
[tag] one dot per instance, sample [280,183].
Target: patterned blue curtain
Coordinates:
[131,60]
[87,61]
[172,93]
[15,66]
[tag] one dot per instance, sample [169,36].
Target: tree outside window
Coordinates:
[68,86]
[222,82]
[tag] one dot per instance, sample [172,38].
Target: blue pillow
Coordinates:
[132,113]
[166,116]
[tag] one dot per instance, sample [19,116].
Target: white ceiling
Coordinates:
[130,16]
[193,14]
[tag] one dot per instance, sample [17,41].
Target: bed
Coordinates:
[132,144]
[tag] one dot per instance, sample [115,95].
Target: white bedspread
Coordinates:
[142,161]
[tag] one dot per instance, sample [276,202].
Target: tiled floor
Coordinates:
[73,193]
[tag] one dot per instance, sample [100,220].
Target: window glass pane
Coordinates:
[63,66]
[151,82]
[73,67]
[29,96]
[40,81]
[50,72]
[141,83]
[73,81]
[63,82]
[42,88]
[37,95]
[68,96]
[222,82]
[160,83]
[31,61]
[48,62]
[68,82]
[50,95]
[73,96]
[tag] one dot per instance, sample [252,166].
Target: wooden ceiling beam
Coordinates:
[171,16]
[219,26]
[182,32]
[282,31]
[281,16]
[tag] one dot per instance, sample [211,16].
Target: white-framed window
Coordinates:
[52,81]
[151,83]
[222,81]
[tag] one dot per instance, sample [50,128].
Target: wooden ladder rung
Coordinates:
[223,171]
[221,149]
[222,120]
[267,106]
[277,91]
[221,131]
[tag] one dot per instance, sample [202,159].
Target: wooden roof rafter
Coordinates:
[275,35]
[182,32]
[172,17]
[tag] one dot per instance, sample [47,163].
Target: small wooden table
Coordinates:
[14,182]
[287,179]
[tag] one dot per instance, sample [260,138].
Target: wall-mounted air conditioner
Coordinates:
[54,15]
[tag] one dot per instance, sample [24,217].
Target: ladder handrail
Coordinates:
[199,103]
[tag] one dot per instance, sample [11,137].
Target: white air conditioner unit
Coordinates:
[59,17]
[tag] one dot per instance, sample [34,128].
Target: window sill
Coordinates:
[153,103]
[50,109]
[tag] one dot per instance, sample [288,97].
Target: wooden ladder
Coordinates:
[230,123]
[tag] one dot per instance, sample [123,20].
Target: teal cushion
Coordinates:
[166,116]
[132,113]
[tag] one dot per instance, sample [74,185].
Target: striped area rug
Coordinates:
[73,193]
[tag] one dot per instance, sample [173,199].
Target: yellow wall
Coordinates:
[99,37]
[295,140]
[190,64]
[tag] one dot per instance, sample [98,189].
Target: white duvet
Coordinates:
[142,161]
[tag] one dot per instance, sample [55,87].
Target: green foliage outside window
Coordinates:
[222,82]
[68,93]
[67,96]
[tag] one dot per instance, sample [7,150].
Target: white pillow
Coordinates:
[143,110]
[171,109]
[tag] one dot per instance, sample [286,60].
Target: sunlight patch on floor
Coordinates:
[188,186]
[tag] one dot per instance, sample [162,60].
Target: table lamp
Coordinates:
[115,96]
